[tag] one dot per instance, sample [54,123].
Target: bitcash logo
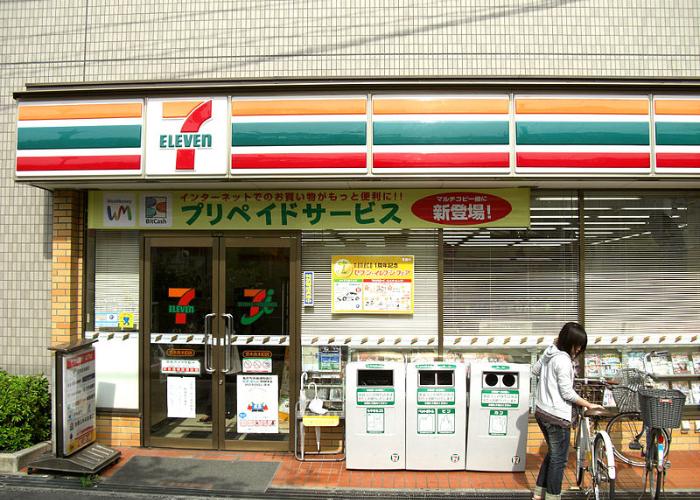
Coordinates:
[194,114]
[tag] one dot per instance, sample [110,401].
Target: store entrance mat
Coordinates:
[186,473]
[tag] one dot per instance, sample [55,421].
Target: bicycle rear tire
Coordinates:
[580,455]
[656,473]
[623,428]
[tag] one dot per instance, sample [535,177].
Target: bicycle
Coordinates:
[594,455]
[661,409]
[626,429]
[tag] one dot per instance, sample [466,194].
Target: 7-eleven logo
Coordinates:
[182,308]
[195,114]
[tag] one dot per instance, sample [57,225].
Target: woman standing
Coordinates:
[554,402]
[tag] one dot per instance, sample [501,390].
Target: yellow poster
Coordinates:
[372,284]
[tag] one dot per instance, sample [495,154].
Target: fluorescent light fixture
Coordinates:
[653,208]
[601,198]
[624,216]
[549,223]
[554,216]
[627,222]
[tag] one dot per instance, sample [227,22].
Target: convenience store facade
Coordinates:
[220,241]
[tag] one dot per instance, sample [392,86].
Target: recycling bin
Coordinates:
[436,416]
[375,415]
[499,396]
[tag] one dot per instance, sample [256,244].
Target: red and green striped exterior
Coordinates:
[677,131]
[314,135]
[68,139]
[582,135]
[440,134]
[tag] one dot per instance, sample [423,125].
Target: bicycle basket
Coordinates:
[661,408]
[631,377]
[625,398]
[591,391]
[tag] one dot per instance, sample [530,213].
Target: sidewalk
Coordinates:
[294,479]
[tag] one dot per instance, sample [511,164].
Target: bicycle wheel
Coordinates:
[580,445]
[627,432]
[603,484]
[658,451]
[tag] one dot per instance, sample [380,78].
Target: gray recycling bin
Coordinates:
[436,411]
[375,415]
[499,396]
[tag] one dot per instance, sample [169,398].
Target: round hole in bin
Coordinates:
[509,380]
[491,379]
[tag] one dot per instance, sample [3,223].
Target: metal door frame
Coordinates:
[218,242]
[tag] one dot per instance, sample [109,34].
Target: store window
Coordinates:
[514,281]
[112,308]
[642,263]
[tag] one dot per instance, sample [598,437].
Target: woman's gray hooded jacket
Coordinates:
[555,388]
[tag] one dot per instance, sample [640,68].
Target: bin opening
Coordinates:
[509,380]
[436,377]
[375,377]
[500,379]
[491,379]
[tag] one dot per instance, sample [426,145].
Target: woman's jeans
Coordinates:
[552,470]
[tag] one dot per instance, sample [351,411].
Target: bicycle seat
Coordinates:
[597,413]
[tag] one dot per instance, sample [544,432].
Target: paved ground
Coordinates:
[295,479]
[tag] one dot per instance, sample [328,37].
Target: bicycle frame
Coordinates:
[585,450]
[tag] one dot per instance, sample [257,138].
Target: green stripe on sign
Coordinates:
[453,132]
[677,134]
[300,134]
[583,133]
[108,136]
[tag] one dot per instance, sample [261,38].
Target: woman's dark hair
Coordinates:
[572,335]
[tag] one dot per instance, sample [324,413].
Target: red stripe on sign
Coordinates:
[678,160]
[184,159]
[441,160]
[86,163]
[302,160]
[584,160]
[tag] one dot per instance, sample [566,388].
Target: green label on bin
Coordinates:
[497,398]
[435,396]
[375,396]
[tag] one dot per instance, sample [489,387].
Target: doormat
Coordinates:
[186,473]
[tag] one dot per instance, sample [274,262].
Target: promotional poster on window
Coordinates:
[372,284]
[257,406]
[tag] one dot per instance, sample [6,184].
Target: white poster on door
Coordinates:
[256,404]
[181,397]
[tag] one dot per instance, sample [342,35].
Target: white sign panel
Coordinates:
[79,415]
[187,136]
[257,404]
[181,397]
[156,210]
[119,210]
[180,366]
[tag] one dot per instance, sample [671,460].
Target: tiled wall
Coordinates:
[74,41]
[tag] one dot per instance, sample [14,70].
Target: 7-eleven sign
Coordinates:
[187,136]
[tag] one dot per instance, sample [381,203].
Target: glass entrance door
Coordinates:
[218,361]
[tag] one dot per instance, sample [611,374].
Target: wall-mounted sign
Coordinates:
[187,136]
[372,284]
[318,209]
[180,367]
[308,281]
[256,404]
[256,361]
[180,353]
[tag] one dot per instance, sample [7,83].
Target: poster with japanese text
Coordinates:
[256,404]
[79,411]
[372,284]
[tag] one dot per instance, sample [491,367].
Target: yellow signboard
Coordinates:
[310,209]
[372,284]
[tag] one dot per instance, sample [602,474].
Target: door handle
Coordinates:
[207,343]
[228,318]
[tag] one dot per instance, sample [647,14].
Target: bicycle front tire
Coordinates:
[603,484]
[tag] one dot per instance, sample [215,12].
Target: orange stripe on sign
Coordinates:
[439,106]
[80,111]
[177,292]
[582,106]
[179,109]
[299,107]
[677,107]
